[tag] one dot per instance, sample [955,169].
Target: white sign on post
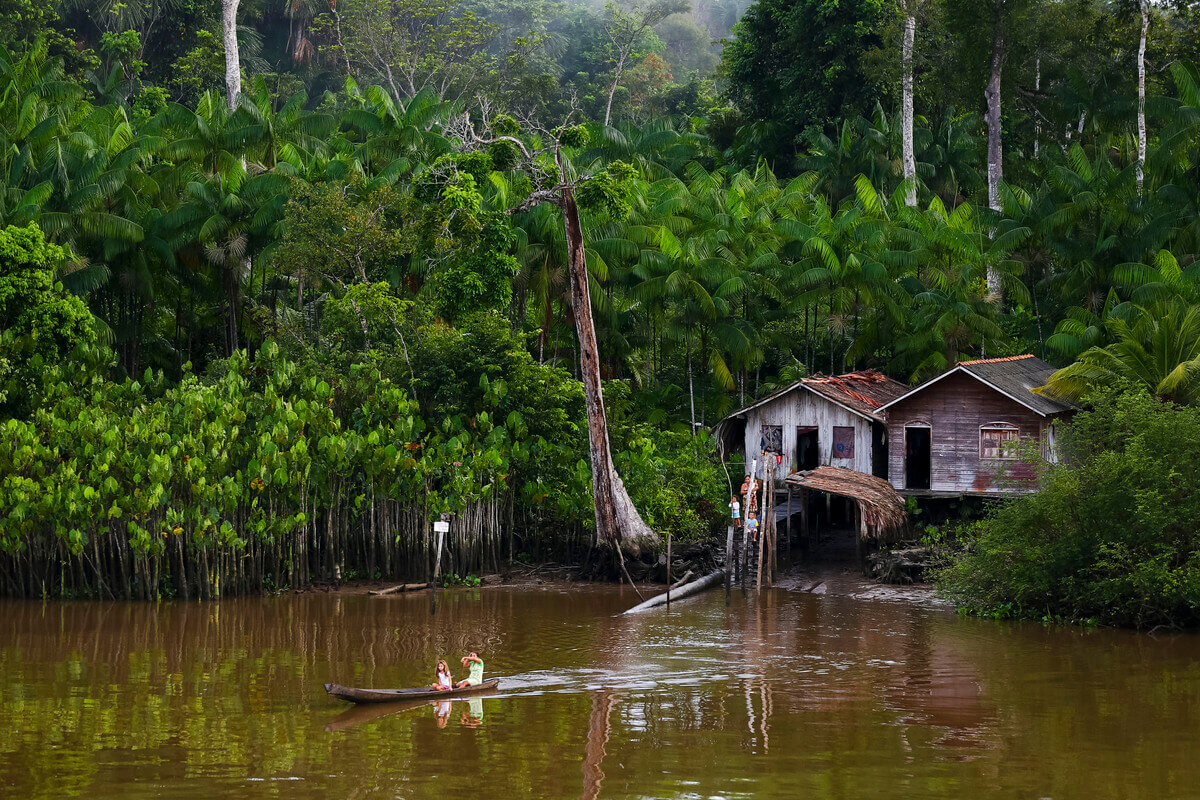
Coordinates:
[441,527]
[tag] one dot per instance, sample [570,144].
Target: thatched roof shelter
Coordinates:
[881,511]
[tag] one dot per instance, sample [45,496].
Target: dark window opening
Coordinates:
[772,438]
[918,458]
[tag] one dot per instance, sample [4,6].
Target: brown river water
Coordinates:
[787,695]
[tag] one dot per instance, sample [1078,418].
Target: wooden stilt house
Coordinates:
[817,421]
[961,433]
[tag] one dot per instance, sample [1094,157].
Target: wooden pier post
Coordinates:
[787,520]
[668,569]
[804,520]
[763,505]
[728,562]
[441,527]
[746,499]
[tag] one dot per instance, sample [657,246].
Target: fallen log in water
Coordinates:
[687,576]
[404,587]
[687,590]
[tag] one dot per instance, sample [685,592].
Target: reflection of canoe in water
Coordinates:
[353,695]
[360,714]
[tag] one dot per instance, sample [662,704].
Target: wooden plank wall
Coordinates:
[955,408]
[801,407]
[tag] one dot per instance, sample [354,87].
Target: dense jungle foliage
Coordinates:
[261,337]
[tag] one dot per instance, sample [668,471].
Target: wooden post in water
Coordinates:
[787,520]
[769,502]
[440,527]
[862,537]
[728,562]
[747,497]
[773,544]
[668,569]
[773,562]
[761,531]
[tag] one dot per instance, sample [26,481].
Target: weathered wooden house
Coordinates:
[817,421]
[960,433]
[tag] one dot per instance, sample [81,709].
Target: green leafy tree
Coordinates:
[799,64]
[40,323]
[411,45]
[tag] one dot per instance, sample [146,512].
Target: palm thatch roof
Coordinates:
[880,507]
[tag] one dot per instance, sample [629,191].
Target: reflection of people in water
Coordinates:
[443,713]
[473,716]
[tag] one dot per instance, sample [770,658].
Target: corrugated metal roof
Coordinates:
[862,392]
[1013,376]
[1017,377]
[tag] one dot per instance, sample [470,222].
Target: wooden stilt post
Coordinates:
[862,537]
[668,568]
[728,562]
[440,527]
[804,520]
[745,565]
[747,499]
[774,543]
[787,520]
[762,525]
[774,546]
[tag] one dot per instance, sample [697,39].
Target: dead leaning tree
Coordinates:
[556,182]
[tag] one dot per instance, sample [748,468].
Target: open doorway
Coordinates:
[918,459]
[879,450]
[807,453]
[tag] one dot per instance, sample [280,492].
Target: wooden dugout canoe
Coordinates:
[352,695]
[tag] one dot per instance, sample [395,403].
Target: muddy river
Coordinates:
[852,693]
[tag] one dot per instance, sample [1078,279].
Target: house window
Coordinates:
[998,441]
[772,438]
[843,442]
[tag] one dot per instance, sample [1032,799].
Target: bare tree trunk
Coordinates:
[691,383]
[906,105]
[1037,119]
[618,522]
[1141,112]
[613,88]
[233,64]
[337,18]
[232,310]
[995,150]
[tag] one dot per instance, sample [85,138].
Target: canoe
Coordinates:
[352,695]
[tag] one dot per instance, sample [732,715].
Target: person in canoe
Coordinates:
[475,664]
[444,682]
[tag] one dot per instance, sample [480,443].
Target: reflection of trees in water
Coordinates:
[599,728]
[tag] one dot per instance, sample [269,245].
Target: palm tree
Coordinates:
[948,256]
[291,136]
[227,217]
[1158,348]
